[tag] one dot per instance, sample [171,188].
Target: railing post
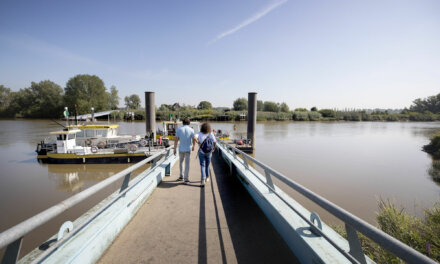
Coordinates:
[355,244]
[125,182]
[269,180]
[245,161]
[234,154]
[154,163]
[12,252]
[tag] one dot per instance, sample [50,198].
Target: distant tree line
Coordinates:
[47,99]
[268,110]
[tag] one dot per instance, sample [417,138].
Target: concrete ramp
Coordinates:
[219,223]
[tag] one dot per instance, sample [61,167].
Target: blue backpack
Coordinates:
[207,144]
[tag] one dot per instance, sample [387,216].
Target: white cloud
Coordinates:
[250,20]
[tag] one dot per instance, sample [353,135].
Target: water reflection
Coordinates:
[71,178]
[434,171]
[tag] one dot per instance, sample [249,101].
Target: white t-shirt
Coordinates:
[201,137]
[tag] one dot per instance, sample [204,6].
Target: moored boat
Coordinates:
[93,134]
[169,128]
[68,152]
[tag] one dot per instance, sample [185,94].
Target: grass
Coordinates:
[422,234]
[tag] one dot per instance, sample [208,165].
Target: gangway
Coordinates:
[304,234]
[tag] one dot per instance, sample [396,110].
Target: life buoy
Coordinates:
[132,147]
[101,144]
[94,149]
[88,142]
[143,142]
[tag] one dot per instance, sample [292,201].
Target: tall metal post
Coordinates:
[150,114]
[76,115]
[252,118]
[93,114]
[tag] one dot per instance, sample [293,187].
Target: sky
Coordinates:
[328,54]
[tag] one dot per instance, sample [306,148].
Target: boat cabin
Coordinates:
[169,129]
[66,139]
[95,131]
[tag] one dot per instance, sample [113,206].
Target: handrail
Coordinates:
[20,230]
[388,242]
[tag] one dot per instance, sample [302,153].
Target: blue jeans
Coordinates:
[205,160]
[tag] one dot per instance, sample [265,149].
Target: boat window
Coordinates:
[61,137]
[90,133]
[71,136]
[101,133]
[80,134]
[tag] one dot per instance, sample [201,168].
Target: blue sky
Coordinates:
[356,54]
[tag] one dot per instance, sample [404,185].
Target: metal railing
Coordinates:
[352,222]
[13,237]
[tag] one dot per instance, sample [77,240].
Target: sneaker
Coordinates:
[207,179]
[203,183]
[186,182]
[180,178]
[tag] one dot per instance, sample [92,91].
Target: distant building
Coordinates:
[175,106]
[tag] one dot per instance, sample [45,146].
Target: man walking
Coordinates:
[184,134]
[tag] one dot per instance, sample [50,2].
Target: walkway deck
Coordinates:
[219,223]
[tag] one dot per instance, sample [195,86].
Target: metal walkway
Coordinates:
[219,223]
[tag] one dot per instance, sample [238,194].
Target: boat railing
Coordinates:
[353,224]
[13,237]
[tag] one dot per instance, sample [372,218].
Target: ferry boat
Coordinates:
[169,128]
[101,135]
[68,152]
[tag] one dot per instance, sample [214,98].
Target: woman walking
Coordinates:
[207,145]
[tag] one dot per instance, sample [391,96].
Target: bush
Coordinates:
[420,234]
[300,116]
[393,117]
[327,113]
[433,147]
[427,116]
[314,116]
[300,109]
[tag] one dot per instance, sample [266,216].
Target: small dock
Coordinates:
[219,223]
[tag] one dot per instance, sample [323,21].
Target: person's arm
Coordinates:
[175,145]
[215,144]
[194,142]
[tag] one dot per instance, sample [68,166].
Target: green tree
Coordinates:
[327,113]
[204,105]
[432,104]
[301,109]
[260,105]
[5,97]
[240,104]
[133,101]
[86,91]
[314,109]
[271,107]
[43,99]
[165,107]
[284,107]
[113,98]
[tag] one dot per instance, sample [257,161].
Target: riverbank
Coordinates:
[420,233]
[304,115]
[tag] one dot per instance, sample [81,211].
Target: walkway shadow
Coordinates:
[169,184]
[254,238]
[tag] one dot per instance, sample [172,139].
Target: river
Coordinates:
[352,164]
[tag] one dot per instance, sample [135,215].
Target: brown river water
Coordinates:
[352,164]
